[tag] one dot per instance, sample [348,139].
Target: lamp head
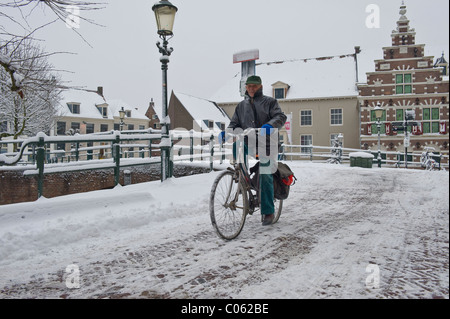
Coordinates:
[165,17]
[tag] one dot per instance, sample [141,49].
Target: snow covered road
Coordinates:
[343,233]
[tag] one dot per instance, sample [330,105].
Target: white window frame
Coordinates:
[304,150]
[334,115]
[301,116]
[71,107]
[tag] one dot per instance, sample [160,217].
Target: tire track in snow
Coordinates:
[326,236]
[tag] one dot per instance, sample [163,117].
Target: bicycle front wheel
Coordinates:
[228,206]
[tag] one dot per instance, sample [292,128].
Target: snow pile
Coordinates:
[342,229]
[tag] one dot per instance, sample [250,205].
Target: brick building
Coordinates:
[406,79]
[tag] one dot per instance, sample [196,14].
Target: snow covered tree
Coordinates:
[29,89]
[29,85]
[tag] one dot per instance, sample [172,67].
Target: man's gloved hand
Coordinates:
[222,137]
[266,129]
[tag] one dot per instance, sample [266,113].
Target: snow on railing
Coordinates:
[307,151]
[116,150]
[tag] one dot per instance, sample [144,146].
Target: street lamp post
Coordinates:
[379,114]
[165,17]
[122,117]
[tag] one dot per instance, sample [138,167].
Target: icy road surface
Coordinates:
[343,233]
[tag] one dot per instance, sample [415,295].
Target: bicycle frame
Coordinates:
[234,196]
[243,177]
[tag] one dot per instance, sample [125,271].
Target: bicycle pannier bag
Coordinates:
[283,179]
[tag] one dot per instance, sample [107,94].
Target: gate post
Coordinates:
[40,165]
[116,152]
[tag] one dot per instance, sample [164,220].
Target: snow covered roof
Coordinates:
[201,109]
[116,105]
[89,100]
[307,78]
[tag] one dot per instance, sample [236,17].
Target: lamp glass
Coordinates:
[378,112]
[122,114]
[165,17]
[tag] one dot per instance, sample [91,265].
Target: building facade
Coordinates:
[319,96]
[87,112]
[406,80]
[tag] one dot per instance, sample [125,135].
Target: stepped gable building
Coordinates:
[406,79]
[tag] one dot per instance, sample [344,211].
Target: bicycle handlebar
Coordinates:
[248,131]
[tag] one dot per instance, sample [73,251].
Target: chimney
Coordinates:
[151,110]
[100,91]
[248,65]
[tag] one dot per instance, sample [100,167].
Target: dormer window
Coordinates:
[280,90]
[279,94]
[128,113]
[74,108]
[221,126]
[103,111]
[209,124]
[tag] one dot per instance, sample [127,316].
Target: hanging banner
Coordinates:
[288,127]
[443,128]
[388,127]
[417,130]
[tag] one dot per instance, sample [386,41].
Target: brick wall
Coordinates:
[17,188]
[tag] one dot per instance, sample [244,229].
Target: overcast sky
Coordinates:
[125,60]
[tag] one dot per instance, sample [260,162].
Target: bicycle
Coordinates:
[427,161]
[234,195]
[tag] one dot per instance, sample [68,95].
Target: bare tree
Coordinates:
[29,85]
[16,12]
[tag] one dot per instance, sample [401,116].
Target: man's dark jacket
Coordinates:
[267,111]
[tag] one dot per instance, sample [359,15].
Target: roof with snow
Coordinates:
[306,78]
[89,101]
[202,109]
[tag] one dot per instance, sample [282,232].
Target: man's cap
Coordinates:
[254,79]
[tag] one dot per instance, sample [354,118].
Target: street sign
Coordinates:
[398,124]
[407,141]
[410,115]
[403,124]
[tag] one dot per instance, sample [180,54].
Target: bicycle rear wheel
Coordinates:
[278,208]
[228,206]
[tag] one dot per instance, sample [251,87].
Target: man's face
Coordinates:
[252,89]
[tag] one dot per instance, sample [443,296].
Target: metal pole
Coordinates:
[406,137]
[40,165]
[116,153]
[379,142]
[166,167]
[211,149]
